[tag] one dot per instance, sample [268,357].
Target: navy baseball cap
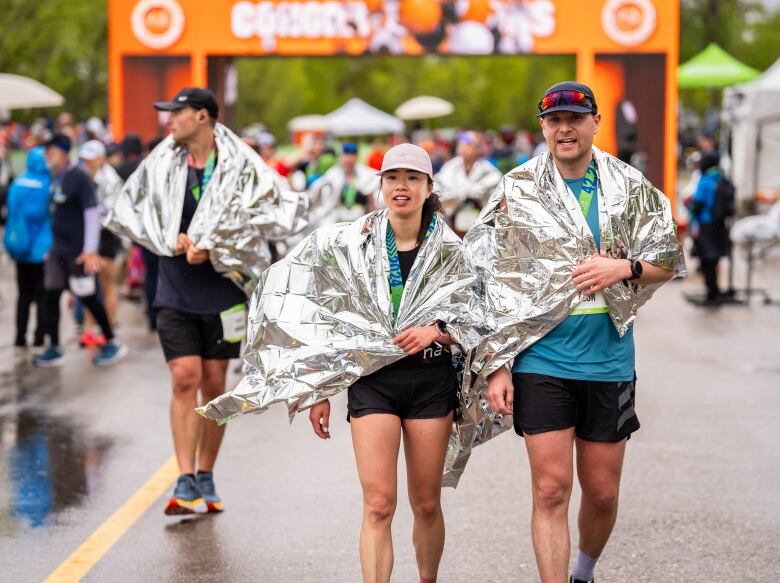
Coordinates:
[60,141]
[568,96]
[194,97]
[349,148]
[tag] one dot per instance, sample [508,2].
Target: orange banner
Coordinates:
[410,27]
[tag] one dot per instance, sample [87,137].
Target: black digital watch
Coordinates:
[636,269]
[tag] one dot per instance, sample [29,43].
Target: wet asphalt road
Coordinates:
[700,498]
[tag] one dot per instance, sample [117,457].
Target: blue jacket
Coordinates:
[28,234]
[704,198]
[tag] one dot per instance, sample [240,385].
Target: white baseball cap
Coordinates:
[409,157]
[91,150]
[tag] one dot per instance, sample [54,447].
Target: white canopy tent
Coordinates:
[307,123]
[18,92]
[752,111]
[358,118]
[424,107]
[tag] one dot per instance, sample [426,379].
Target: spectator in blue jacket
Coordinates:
[27,238]
[712,239]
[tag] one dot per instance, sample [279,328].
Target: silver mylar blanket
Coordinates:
[322,316]
[525,245]
[245,205]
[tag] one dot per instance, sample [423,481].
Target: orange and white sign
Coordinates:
[629,22]
[158,24]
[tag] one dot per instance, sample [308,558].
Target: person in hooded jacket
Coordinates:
[27,238]
[712,241]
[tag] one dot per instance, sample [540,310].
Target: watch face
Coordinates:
[636,268]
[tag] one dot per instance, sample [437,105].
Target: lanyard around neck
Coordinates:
[395,278]
[208,170]
[589,187]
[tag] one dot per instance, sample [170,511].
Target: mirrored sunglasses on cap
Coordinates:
[565,97]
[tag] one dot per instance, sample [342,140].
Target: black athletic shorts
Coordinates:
[599,411]
[420,392]
[110,245]
[186,334]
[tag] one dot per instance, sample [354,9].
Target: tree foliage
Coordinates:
[746,29]
[60,43]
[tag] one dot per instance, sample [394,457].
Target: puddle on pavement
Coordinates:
[48,463]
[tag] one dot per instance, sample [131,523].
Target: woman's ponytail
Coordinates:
[431,206]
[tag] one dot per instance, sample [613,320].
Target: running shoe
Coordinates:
[87,340]
[90,339]
[52,356]
[206,485]
[111,353]
[187,498]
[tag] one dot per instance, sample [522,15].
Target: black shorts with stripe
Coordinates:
[599,411]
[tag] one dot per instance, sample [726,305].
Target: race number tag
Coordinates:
[82,286]
[591,304]
[233,323]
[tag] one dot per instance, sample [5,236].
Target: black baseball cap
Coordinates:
[60,141]
[562,100]
[194,97]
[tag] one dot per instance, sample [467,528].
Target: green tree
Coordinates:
[60,43]
[747,29]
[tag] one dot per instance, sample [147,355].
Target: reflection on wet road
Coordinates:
[47,463]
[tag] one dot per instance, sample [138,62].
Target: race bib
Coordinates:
[591,304]
[59,197]
[233,323]
[82,286]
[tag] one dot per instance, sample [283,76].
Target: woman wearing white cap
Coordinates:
[373,307]
[415,396]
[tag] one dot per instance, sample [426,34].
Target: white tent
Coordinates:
[424,107]
[358,118]
[18,92]
[307,123]
[753,113]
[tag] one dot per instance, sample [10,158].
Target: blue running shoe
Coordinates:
[206,485]
[110,354]
[187,498]
[52,356]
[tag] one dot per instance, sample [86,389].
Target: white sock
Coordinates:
[583,567]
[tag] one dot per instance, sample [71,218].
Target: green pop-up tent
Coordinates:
[714,68]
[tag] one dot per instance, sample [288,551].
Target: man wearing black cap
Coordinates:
[191,300]
[575,384]
[73,259]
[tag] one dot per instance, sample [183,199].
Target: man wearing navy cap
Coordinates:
[576,384]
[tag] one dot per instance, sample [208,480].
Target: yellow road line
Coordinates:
[107,534]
